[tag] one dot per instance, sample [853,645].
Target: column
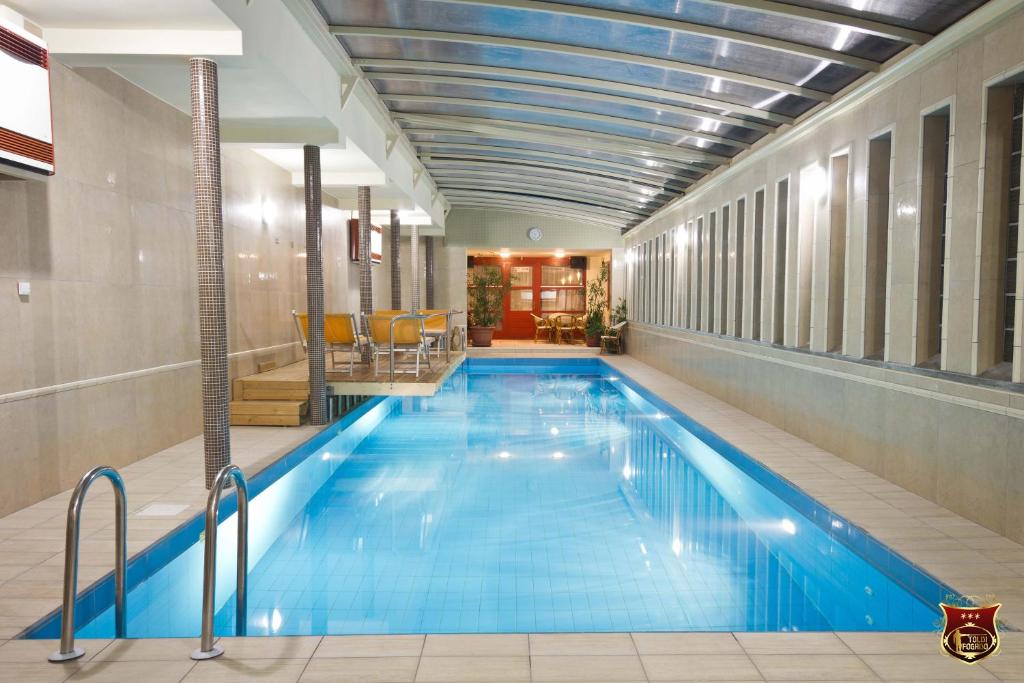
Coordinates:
[428,262]
[396,260]
[414,257]
[315,287]
[365,278]
[213,336]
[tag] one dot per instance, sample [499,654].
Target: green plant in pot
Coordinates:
[597,303]
[486,292]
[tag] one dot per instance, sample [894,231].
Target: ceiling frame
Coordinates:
[583,84]
[566,113]
[563,193]
[551,199]
[587,52]
[520,180]
[568,137]
[494,165]
[678,26]
[611,223]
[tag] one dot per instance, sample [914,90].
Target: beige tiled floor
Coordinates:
[969,557]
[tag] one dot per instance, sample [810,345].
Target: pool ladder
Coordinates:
[207,648]
[68,651]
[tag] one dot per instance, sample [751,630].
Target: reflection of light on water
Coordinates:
[554,431]
[326,456]
[788,526]
[627,472]
[504,455]
[558,455]
[677,547]
[275,621]
[643,549]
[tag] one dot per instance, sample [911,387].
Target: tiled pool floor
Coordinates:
[937,539]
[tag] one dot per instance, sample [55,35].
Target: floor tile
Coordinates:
[812,668]
[43,672]
[592,668]
[37,651]
[473,669]
[935,667]
[791,643]
[361,670]
[278,647]
[693,667]
[581,644]
[1006,664]
[148,649]
[370,646]
[133,672]
[686,643]
[223,670]
[889,643]
[473,644]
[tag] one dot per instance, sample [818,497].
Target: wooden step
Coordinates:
[269,407]
[266,420]
[258,393]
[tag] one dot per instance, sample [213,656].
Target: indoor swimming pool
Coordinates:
[526,496]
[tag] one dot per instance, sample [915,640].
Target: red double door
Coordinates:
[543,286]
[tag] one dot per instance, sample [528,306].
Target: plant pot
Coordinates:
[593,340]
[481,336]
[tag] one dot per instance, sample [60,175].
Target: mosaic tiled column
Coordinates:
[213,337]
[315,286]
[428,263]
[396,261]
[414,268]
[365,277]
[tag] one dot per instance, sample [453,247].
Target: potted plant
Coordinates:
[486,304]
[619,313]
[597,302]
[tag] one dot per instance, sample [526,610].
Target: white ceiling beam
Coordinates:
[556,91]
[567,137]
[493,165]
[586,52]
[529,155]
[585,85]
[612,224]
[550,198]
[567,113]
[833,19]
[678,26]
[535,207]
[540,182]
[563,193]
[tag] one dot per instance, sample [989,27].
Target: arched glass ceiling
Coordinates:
[611,107]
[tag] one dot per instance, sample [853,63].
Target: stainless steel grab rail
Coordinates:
[68,650]
[207,649]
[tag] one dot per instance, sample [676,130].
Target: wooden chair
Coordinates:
[542,326]
[563,323]
[614,340]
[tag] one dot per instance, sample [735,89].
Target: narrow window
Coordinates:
[659,278]
[838,207]
[739,264]
[1011,242]
[711,254]
[757,252]
[876,248]
[779,292]
[811,192]
[932,249]
[723,270]
[674,305]
[698,290]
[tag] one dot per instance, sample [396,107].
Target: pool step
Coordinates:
[268,413]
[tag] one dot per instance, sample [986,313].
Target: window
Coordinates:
[723,273]
[1011,242]
[838,208]
[934,216]
[738,264]
[521,295]
[757,253]
[687,320]
[698,289]
[779,289]
[711,254]
[877,244]
[810,198]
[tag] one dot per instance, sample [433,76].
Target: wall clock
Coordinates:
[535,234]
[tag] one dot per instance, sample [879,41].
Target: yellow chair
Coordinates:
[542,326]
[393,334]
[339,335]
[437,325]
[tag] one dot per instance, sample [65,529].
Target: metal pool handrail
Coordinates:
[391,341]
[207,649]
[68,650]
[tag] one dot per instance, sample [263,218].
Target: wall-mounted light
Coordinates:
[504,252]
[559,253]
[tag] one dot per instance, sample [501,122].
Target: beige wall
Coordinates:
[100,362]
[493,229]
[922,431]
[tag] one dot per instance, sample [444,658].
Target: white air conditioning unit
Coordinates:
[26,129]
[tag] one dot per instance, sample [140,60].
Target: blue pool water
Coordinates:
[527,498]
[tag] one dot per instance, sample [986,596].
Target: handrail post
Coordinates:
[68,651]
[207,648]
